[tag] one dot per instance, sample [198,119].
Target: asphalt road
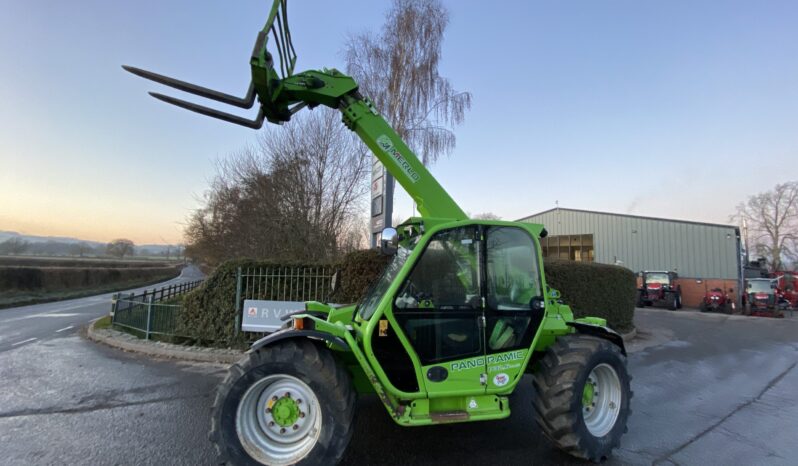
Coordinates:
[709,389]
[24,325]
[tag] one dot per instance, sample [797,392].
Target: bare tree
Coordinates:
[120,248]
[398,70]
[772,220]
[14,246]
[292,197]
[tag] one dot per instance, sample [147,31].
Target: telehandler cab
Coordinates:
[459,315]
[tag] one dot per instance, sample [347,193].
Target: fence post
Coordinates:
[114,305]
[238,300]
[149,318]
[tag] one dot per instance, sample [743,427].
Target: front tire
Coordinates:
[582,396]
[289,403]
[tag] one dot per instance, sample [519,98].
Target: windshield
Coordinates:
[759,286]
[654,277]
[369,304]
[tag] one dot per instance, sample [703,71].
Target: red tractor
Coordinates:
[659,288]
[716,300]
[787,284]
[762,298]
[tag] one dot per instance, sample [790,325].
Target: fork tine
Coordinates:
[257,123]
[246,102]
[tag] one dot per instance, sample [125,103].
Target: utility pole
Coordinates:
[745,239]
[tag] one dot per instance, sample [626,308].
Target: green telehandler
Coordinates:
[460,314]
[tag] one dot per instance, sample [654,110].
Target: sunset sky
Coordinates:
[672,108]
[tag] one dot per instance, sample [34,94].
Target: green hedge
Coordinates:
[597,290]
[13,279]
[209,312]
[357,271]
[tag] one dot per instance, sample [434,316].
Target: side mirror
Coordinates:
[554,294]
[537,303]
[389,241]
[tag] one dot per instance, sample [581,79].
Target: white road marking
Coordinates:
[64,329]
[24,341]
[56,313]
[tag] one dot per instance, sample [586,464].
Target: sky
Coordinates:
[676,109]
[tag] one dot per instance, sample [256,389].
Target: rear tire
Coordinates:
[313,393]
[582,396]
[673,301]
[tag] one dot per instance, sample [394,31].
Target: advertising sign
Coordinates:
[264,316]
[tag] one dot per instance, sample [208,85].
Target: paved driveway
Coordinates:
[709,389]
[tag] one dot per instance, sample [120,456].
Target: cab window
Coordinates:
[513,275]
[447,275]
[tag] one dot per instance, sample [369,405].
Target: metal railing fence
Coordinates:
[147,312]
[283,283]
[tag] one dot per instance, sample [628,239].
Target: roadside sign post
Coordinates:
[381,200]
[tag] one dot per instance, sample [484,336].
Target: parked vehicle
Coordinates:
[659,288]
[762,298]
[787,285]
[716,300]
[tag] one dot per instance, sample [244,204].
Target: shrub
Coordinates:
[598,290]
[356,272]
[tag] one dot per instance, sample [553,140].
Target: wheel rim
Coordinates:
[278,420]
[601,400]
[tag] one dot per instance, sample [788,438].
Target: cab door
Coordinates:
[512,282]
[439,308]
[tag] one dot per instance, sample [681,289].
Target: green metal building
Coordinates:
[698,252]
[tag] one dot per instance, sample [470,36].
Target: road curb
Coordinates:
[119,340]
[123,341]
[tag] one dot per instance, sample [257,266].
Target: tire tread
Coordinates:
[555,390]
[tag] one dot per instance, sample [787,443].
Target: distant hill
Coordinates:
[148,249]
[5,235]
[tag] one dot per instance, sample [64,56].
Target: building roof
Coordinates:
[720,225]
